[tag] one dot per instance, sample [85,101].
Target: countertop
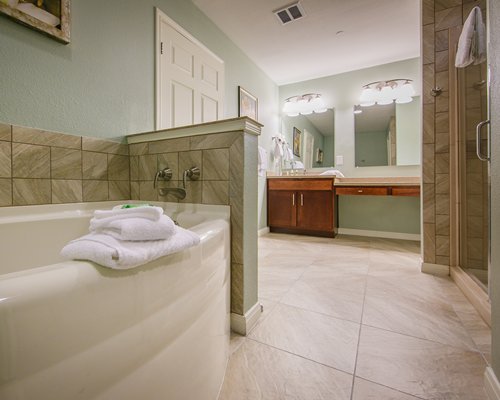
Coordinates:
[372,181]
[380,181]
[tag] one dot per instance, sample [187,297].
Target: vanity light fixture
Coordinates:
[358,109]
[305,104]
[385,92]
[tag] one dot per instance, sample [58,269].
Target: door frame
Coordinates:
[159,17]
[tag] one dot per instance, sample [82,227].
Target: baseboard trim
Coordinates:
[380,234]
[242,324]
[477,296]
[435,269]
[263,231]
[491,384]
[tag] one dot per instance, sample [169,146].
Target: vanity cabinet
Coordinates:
[301,205]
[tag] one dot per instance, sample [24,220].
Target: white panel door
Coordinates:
[190,78]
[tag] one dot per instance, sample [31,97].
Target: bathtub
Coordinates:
[74,330]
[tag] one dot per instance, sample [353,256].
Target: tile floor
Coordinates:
[353,318]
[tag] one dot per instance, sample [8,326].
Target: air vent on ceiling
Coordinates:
[290,13]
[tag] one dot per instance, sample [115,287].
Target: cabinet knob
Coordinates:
[360,191]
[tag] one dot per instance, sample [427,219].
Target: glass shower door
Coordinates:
[474,174]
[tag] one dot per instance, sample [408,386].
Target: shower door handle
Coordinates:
[480,155]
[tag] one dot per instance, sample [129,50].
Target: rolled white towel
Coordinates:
[134,228]
[118,254]
[149,212]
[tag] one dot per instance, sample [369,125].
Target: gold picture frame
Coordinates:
[248,104]
[50,17]
[297,141]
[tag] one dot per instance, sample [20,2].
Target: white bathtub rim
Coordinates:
[86,210]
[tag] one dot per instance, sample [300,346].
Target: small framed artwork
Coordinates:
[319,156]
[297,141]
[50,17]
[248,104]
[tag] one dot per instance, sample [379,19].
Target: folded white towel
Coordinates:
[118,254]
[149,212]
[262,161]
[472,42]
[333,172]
[134,228]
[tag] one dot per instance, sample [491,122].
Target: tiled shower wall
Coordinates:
[442,22]
[40,167]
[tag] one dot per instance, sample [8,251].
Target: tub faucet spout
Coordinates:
[180,193]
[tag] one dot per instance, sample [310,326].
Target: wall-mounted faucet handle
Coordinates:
[191,173]
[164,174]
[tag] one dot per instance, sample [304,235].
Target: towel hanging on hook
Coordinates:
[472,42]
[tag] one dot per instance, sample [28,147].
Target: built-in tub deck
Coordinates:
[76,330]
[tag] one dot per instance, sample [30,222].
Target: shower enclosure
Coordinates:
[474,170]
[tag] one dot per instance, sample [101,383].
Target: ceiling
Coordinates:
[335,36]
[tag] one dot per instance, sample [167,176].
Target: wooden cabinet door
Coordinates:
[315,210]
[282,208]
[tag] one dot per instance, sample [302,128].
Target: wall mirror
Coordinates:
[317,138]
[388,135]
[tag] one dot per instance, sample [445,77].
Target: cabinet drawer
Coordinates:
[362,191]
[406,191]
[300,184]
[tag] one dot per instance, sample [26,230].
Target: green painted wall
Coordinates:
[371,213]
[371,148]
[329,152]
[408,132]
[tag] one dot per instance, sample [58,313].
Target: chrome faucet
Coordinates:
[180,193]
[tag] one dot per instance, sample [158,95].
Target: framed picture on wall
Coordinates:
[248,104]
[297,141]
[50,17]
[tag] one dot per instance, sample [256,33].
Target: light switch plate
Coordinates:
[339,160]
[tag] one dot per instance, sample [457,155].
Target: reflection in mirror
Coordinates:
[388,135]
[375,136]
[316,146]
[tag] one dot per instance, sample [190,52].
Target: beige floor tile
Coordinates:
[419,367]
[320,338]
[236,340]
[384,269]
[365,390]
[339,296]
[409,308]
[257,371]
[274,285]
[267,307]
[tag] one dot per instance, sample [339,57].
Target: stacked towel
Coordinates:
[120,254]
[129,236]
